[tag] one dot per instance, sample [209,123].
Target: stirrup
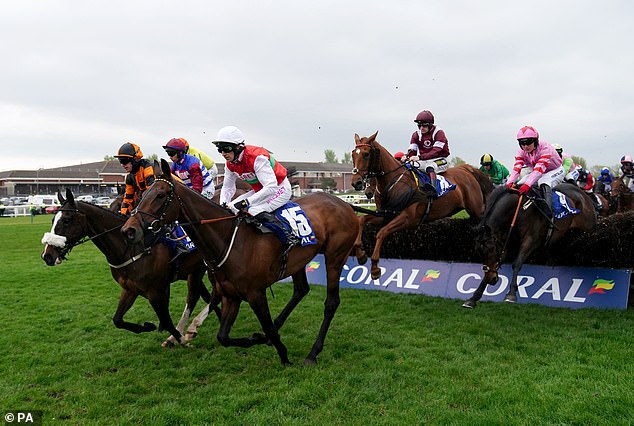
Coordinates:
[429,189]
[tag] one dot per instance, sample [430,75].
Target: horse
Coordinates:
[514,226]
[608,203]
[623,196]
[400,204]
[146,271]
[246,262]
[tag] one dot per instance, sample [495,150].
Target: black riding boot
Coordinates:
[430,188]
[291,239]
[547,193]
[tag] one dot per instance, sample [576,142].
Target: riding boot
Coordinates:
[547,193]
[291,239]
[430,188]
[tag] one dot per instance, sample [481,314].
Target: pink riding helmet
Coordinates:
[527,132]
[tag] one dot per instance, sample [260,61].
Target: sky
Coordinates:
[298,77]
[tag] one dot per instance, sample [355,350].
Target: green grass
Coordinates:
[388,359]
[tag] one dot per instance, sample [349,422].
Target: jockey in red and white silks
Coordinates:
[271,188]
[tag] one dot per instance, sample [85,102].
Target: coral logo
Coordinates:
[430,275]
[601,286]
[312,266]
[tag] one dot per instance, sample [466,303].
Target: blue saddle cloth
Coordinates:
[295,221]
[561,209]
[178,235]
[442,184]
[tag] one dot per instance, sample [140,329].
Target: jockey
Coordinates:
[586,183]
[399,155]
[496,171]
[606,177]
[271,188]
[428,147]
[627,167]
[140,174]
[207,161]
[571,174]
[188,168]
[542,163]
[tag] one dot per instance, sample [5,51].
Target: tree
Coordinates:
[456,161]
[347,158]
[328,184]
[579,161]
[108,157]
[330,155]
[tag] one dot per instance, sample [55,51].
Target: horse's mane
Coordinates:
[495,196]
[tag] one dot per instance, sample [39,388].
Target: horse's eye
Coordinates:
[366,155]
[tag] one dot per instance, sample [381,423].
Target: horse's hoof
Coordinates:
[191,335]
[148,326]
[309,361]
[375,273]
[510,299]
[362,259]
[168,344]
[469,304]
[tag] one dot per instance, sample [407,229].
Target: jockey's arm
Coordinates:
[266,177]
[196,177]
[228,186]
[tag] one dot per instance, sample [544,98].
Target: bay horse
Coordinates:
[623,196]
[400,204]
[514,226]
[145,271]
[246,262]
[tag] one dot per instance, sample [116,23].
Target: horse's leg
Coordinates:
[126,300]
[230,309]
[260,307]
[477,295]
[195,288]
[330,307]
[159,299]
[214,302]
[398,223]
[300,289]
[359,253]
[527,247]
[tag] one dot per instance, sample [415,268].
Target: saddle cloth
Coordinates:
[561,209]
[295,220]
[442,184]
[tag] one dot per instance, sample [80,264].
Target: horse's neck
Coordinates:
[193,208]
[107,226]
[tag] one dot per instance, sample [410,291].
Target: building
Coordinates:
[103,178]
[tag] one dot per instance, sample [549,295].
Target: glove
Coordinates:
[242,205]
[509,185]
[414,158]
[524,189]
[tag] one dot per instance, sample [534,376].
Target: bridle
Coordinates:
[155,225]
[375,168]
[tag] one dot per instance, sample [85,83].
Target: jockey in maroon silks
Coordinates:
[428,149]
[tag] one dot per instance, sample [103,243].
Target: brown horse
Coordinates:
[246,262]
[140,270]
[400,204]
[514,226]
[623,195]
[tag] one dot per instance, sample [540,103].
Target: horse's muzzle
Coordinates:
[358,185]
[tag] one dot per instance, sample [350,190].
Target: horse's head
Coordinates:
[69,228]
[365,160]
[156,208]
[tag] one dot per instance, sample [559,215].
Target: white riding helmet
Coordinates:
[229,135]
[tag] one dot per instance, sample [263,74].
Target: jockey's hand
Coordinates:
[510,185]
[414,158]
[524,189]
[241,206]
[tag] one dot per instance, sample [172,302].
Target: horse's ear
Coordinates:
[373,137]
[69,196]
[357,139]
[157,168]
[60,197]
[167,172]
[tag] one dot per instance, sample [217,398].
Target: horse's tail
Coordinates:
[486,186]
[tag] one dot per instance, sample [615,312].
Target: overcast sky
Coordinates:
[80,78]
